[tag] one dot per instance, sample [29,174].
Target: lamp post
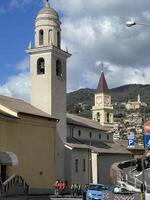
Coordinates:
[133,23]
[130,24]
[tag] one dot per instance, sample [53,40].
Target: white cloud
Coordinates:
[5,91]
[95,31]
[23,65]
[127,75]
[18,85]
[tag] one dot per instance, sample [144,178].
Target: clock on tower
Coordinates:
[98,100]
[106,100]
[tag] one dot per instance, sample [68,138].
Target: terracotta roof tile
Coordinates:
[81,121]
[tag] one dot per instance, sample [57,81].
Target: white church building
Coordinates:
[84,148]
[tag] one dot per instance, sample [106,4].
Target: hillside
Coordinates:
[81,101]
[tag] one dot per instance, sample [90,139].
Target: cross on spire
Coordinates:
[47,3]
[102,66]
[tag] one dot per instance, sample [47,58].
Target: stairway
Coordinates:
[15,185]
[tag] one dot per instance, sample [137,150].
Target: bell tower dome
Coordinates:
[47,27]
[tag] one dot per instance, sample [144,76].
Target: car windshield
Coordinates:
[96,187]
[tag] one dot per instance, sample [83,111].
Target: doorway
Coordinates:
[3,173]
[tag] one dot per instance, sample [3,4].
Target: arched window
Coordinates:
[41,66]
[41,37]
[58,68]
[100,136]
[58,39]
[90,134]
[50,37]
[76,165]
[98,117]
[79,133]
[107,137]
[107,117]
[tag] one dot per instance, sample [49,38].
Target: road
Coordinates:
[40,197]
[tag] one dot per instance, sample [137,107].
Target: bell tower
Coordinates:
[48,75]
[102,111]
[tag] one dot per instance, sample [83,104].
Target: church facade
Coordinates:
[67,147]
[135,105]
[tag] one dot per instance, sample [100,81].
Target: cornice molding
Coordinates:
[48,49]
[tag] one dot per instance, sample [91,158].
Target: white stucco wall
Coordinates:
[85,134]
[104,163]
[81,176]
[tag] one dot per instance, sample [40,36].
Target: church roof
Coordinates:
[102,85]
[85,122]
[19,106]
[100,147]
[124,143]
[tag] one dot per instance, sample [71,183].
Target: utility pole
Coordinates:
[143,187]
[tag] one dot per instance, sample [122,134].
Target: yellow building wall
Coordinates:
[32,139]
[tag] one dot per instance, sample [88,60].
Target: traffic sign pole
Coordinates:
[146,141]
[143,179]
[131,144]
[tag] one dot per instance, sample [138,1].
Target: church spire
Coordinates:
[102,85]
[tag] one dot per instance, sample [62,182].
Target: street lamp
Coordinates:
[133,23]
[130,23]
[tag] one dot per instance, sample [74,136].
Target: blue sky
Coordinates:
[17,25]
[94,31]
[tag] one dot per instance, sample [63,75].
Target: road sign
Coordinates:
[147,127]
[147,141]
[131,143]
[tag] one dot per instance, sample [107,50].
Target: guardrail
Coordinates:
[118,173]
[135,182]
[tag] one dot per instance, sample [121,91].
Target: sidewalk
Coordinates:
[40,197]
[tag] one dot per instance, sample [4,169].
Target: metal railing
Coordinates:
[12,182]
[118,173]
[134,181]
